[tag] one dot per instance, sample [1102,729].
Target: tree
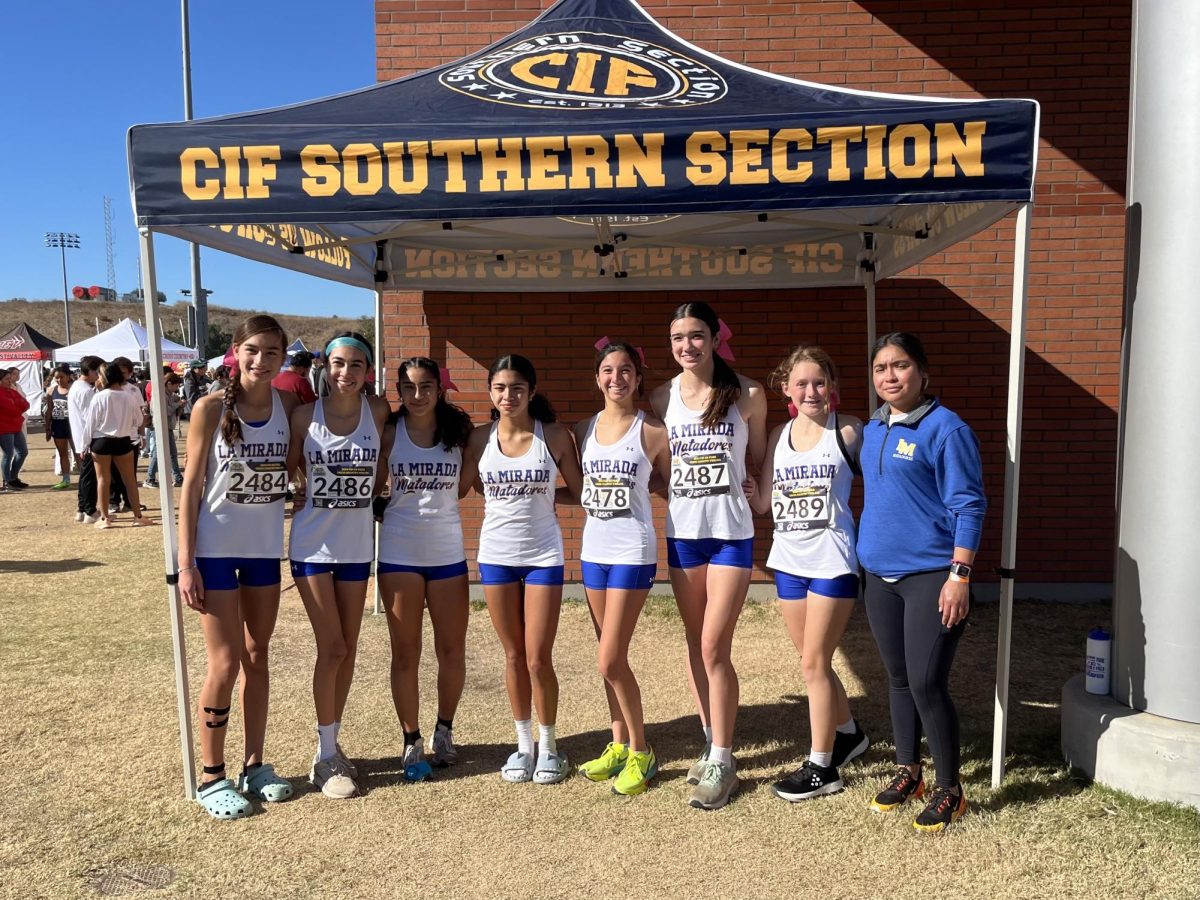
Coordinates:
[218,342]
[366,327]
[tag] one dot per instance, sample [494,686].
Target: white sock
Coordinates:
[525,736]
[847,727]
[707,734]
[722,755]
[824,760]
[337,730]
[546,739]
[327,735]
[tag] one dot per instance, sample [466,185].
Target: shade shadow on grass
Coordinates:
[47,567]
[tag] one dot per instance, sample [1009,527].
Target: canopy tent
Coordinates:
[295,347]
[129,339]
[27,349]
[595,150]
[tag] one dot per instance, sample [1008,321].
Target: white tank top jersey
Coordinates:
[241,514]
[708,466]
[810,502]
[336,524]
[421,525]
[519,525]
[619,529]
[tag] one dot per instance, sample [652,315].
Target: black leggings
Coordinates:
[917,652]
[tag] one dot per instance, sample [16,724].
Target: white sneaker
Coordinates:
[551,768]
[91,520]
[444,751]
[79,517]
[519,768]
[346,761]
[331,776]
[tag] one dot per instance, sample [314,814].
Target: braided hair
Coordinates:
[231,425]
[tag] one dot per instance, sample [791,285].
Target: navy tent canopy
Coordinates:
[590,146]
[595,150]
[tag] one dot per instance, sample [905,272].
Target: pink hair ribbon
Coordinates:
[444,377]
[604,342]
[726,335]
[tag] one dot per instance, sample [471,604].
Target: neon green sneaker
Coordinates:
[635,777]
[607,764]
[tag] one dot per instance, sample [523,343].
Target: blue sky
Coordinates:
[77,74]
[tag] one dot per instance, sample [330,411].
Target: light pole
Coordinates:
[198,338]
[62,240]
[200,296]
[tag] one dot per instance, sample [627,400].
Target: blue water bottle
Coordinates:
[417,771]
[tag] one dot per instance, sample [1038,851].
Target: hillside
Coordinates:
[47,317]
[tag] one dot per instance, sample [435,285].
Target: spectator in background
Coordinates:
[294,379]
[57,423]
[195,385]
[220,380]
[174,399]
[13,445]
[111,427]
[79,398]
[318,377]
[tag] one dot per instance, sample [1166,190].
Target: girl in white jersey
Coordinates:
[619,447]
[421,557]
[230,543]
[518,461]
[336,443]
[806,488]
[713,417]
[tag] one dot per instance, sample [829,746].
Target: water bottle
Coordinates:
[1099,654]
[417,771]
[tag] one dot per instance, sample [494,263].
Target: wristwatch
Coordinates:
[960,569]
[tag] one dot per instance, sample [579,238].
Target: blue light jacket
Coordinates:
[923,491]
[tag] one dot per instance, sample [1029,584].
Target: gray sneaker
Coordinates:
[444,751]
[696,772]
[332,777]
[413,753]
[716,786]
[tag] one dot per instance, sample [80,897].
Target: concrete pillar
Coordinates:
[1145,738]
[1157,594]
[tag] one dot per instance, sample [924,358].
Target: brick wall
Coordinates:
[1072,58]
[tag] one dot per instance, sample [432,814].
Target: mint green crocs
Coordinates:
[222,800]
[263,784]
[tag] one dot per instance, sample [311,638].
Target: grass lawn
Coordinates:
[93,792]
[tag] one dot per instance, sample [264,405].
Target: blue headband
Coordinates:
[351,342]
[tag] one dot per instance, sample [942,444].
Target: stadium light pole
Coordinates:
[199,295]
[198,339]
[64,241]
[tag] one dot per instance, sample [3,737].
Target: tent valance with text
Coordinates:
[592,110]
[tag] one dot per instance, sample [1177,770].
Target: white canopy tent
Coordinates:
[738,179]
[129,339]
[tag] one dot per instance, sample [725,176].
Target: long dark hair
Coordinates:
[539,405]
[114,375]
[629,350]
[452,425]
[231,425]
[726,389]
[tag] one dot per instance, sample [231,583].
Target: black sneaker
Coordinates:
[17,482]
[847,747]
[902,788]
[810,781]
[14,486]
[944,808]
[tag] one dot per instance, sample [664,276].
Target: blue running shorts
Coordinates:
[429,573]
[688,553]
[227,573]
[339,571]
[794,587]
[493,574]
[601,576]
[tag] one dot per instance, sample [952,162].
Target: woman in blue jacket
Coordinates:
[921,525]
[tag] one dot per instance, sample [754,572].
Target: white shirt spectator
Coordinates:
[113,413]
[79,398]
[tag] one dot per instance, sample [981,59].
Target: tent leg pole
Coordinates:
[869,284]
[167,505]
[381,390]
[1012,474]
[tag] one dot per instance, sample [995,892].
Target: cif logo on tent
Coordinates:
[583,70]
